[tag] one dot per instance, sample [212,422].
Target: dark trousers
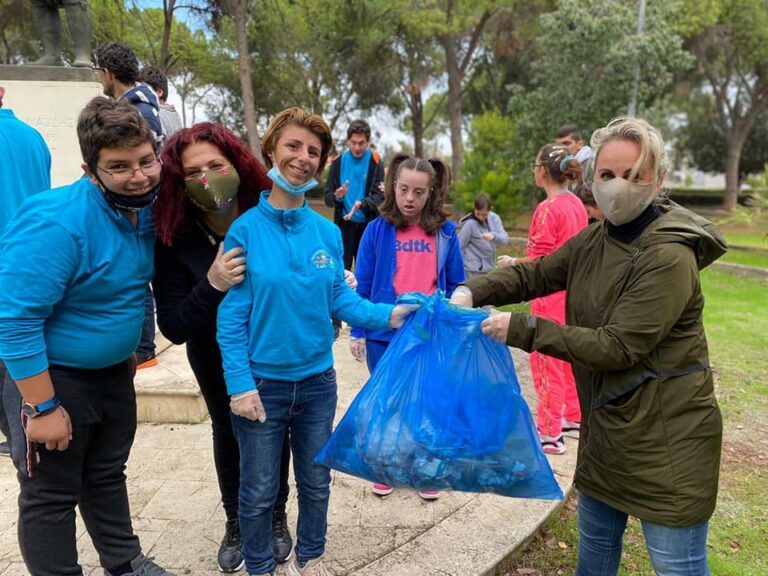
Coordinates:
[3,418]
[351,234]
[226,454]
[146,347]
[89,473]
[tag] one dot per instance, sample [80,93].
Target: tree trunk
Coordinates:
[454,103]
[734,145]
[238,10]
[165,46]
[417,121]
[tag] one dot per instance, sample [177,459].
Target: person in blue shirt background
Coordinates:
[74,266]
[276,339]
[26,171]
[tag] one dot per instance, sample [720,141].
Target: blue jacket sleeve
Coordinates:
[349,306]
[39,259]
[365,265]
[232,324]
[454,266]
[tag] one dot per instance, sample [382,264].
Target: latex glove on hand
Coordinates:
[487,236]
[355,208]
[496,326]
[248,405]
[462,296]
[227,269]
[399,313]
[506,261]
[357,348]
[341,191]
[350,279]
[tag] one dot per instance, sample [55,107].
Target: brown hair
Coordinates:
[482,202]
[569,130]
[560,164]
[107,123]
[434,213]
[297,117]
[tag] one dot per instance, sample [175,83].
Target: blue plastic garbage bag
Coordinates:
[443,410]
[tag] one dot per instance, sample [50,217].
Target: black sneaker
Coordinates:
[282,546]
[142,566]
[5,449]
[231,550]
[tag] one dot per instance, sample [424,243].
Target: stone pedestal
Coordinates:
[50,98]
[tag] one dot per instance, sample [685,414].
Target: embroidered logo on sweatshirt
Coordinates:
[321,259]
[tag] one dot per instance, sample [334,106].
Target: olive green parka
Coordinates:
[651,428]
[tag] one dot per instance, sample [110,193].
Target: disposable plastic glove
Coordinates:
[505,261]
[227,269]
[399,313]
[248,405]
[357,347]
[350,279]
[462,296]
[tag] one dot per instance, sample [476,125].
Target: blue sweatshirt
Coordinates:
[26,164]
[377,261]
[276,324]
[73,273]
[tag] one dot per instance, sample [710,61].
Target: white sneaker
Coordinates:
[571,429]
[552,445]
[314,567]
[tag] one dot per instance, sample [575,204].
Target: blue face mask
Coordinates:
[276,177]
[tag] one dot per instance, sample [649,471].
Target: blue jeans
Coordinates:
[146,347]
[672,551]
[304,410]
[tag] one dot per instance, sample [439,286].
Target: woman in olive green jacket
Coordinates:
[651,428]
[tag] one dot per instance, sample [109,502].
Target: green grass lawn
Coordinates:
[736,322]
[756,259]
[752,238]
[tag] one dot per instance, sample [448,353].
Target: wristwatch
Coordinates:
[35,410]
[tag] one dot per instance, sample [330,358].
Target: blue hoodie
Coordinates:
[276,324]
[73,272]
[376,263]
[144,98]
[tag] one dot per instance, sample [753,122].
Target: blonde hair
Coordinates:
[634,130]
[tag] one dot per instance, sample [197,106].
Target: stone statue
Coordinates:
[48,23]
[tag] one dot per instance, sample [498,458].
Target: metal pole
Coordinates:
[632,109]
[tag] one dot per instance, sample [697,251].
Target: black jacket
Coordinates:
[373,196]
[186,302]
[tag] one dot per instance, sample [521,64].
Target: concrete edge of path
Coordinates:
[476,539]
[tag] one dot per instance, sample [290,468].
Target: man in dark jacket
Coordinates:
[353,188]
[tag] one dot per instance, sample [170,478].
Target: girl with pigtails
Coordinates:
[410,247]
[556,219]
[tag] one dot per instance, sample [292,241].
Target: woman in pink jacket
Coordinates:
[559,217]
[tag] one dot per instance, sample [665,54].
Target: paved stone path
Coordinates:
[178,516]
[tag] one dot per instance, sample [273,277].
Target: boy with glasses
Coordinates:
[76,261]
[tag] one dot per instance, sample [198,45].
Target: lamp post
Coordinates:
[632,108]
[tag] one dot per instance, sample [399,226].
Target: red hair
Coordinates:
[172,209]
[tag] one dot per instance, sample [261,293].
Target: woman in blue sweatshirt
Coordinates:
[276,340]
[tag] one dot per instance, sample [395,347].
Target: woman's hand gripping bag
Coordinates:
[441,411]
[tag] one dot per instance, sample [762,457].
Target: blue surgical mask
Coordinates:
[276,177]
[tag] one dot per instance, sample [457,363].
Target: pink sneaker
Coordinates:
[429,494]
[381,489]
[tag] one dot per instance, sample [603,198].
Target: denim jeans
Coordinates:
[673,551]
[146,347]
[304,410]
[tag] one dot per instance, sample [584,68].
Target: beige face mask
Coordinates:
[621,200]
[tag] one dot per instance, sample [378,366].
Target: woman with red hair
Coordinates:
[209,179]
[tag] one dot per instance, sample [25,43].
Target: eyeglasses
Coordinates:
[95,69]
[533,166]
[148,168]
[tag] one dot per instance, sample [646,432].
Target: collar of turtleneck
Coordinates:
[628,233]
